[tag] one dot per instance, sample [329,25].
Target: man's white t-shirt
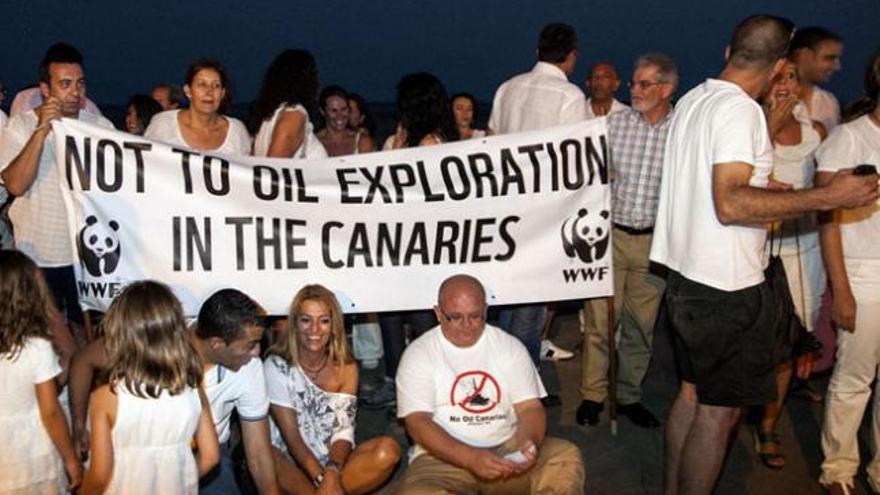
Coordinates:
[538,99]
[616,106]
[848,145]
[716,122]
[38,216]
[243,390]
[165,128]
[470,391]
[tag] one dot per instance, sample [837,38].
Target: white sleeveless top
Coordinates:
[311,147]
[152,444]
[795,165]
[164,127]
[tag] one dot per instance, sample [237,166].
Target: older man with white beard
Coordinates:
[637,137]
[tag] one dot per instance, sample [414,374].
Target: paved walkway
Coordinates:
[631,463]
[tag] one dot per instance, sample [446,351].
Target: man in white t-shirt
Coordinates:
[538,99]
[602,83]
[28,171]
[710,232]
[816,51]
[470,401]
[227,338]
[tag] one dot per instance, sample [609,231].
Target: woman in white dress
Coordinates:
[144,421]
[795,139]
[280,116]
[311,380]
[463,107]
[203,126]
[36,451]
[336,136]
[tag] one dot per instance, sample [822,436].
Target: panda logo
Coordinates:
[98,246]
[585,235]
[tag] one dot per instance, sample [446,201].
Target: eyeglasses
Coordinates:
[643,85]
[458,318]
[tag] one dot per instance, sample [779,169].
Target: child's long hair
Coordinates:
[147,342]
[337,348]
[25,303]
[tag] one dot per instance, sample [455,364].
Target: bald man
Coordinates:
[470,400]
[601,85]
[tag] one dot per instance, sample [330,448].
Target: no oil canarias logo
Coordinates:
[476,392]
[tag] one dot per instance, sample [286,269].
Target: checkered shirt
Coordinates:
[637,160]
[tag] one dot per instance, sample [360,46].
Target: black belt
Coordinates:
[634,231]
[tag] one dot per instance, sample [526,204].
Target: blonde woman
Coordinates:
[144,421]
[312,380]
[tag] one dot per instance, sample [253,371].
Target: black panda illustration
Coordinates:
[98,246]
[585,235]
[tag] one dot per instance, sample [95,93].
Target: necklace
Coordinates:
[313,373]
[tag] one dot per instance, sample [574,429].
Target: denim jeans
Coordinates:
[525,322]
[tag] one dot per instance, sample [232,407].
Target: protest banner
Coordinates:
[527,214]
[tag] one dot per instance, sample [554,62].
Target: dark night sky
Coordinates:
[366,46]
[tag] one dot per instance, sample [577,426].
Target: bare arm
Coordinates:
[531,426]
[844,308]
[85,363]
[55,423]
[102,412]
[484,463]
[22,171]
[288,135]
[736,202]
[286,420]
[208,446]
[258,450]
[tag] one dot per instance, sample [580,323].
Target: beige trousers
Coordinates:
[637,296]
[558,471]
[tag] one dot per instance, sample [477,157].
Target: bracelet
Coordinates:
[318,479]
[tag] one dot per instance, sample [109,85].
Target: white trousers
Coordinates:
[858,358]
[810,266]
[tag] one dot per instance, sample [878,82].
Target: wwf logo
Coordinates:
[585,235]
[98,246]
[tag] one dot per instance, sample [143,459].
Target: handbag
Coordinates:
[791,334]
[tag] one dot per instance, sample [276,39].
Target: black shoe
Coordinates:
[637,413]
[551,400]
[588,413]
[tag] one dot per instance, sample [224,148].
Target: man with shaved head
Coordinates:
[715,202]
[470,400]
[602,84]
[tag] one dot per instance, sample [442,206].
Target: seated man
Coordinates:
[471,403]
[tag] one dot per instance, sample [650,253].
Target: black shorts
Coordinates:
[724,341]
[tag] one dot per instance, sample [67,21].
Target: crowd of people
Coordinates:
[737,207]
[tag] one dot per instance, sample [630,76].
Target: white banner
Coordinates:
[527,214]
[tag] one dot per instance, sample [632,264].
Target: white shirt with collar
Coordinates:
[537,99]
[243,390]
[616,106]
[39,217]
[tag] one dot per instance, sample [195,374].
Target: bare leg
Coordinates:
[705,447]
[773,410]
[369,465]
[677,427]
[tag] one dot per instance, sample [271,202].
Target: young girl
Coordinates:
[144,420]
[36,447]
[311,380]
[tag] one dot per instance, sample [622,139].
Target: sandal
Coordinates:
[773,460]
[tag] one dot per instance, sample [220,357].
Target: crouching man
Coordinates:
[470,399]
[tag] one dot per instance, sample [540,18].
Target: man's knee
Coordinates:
[562,466]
